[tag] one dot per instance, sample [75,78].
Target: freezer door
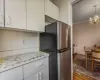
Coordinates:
[62,35]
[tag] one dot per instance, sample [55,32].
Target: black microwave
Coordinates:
[48,42]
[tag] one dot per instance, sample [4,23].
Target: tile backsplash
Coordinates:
[16,42]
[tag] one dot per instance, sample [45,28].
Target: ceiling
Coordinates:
[84,9]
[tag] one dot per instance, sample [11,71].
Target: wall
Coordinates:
[85,34]
[14,42]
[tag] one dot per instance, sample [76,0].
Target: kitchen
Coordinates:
[21,23]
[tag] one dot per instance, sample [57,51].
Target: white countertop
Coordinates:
[21,59]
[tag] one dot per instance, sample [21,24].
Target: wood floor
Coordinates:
[79,76]
[80,60]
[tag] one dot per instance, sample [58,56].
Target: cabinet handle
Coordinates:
[41,76]
[9,20]
[2,19]
[37,76]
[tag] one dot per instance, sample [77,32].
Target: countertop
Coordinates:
[21,59]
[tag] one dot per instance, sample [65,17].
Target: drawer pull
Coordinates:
[37,76]
[41,76]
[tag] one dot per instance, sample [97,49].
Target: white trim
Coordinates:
[58,47]
[81,22]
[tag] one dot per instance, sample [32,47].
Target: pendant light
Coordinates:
[96,18]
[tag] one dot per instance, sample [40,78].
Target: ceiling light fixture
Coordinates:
[96,18]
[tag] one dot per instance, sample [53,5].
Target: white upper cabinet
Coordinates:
[51,10]
[55,12]
[15,14]
[13,74]
[23,14]
[48,8]
[1,13]
[35,15]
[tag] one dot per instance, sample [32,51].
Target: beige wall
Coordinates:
[16,42]
[85,34]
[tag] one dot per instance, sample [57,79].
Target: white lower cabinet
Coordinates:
[38,70]
[41,75]
[44,74]
[33,77]
[13,74]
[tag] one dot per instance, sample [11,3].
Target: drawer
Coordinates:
[34,67]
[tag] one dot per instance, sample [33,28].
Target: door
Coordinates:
[64,58]
[49,8]
[1,13]
[35,15]
[65,65]
[41,75]
[14,74]
[15,14]
[33,77]
[55,12]
[62,32]
[45,71]
[63,35]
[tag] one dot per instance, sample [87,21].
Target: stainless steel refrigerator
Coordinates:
[56,42]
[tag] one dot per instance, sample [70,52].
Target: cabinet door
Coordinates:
[55,12]
[44,74]
[15,14]
[33,77]
[35,15]
[14,74]
[51,10]
[33,67]
[1,76]
[48,8]
[1,13]
[41,75]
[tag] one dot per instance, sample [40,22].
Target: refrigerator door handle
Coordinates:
[63,50]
